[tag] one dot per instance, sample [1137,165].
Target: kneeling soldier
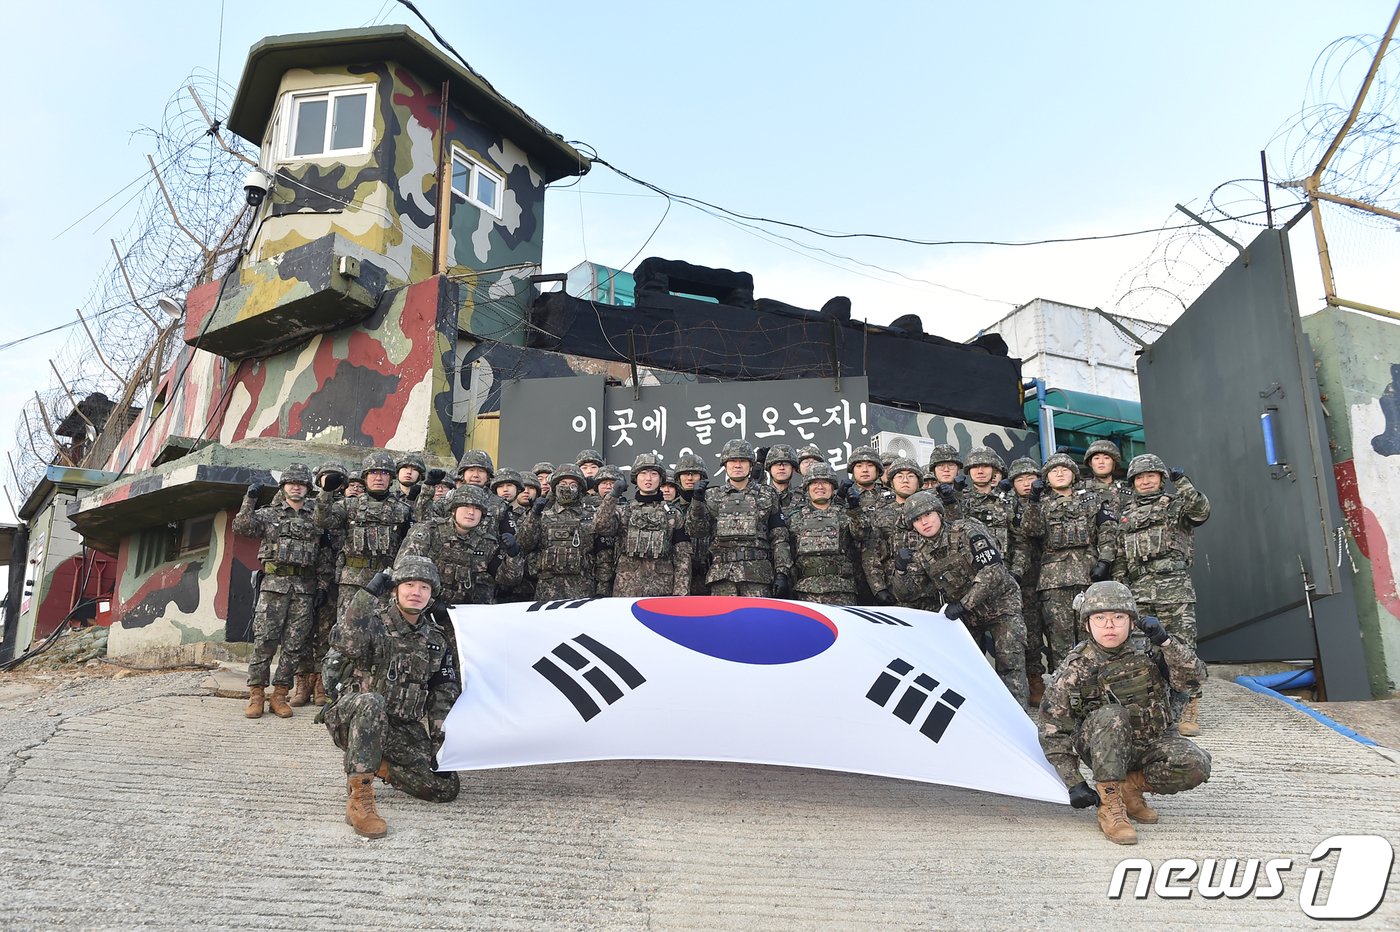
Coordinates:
[1109,705]
[389,669]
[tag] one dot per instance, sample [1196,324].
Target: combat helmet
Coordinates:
[377,461]
[810,452]
[588,456]
[467,494]
[331,469]
[610,472]
[1104,446]
[412,459]
[864,455]
[410,567]
[780,453]
[1062,459]
[1023,466]
[985,456]
[1147,462]
[944,453]
[541,467]
[905,464]
[691,462]
[1106,596]
[668,477]
[504,476]
[479,459]
[296,472]
[650,461]
[528,480]
[568,471]
[737,450]
[921,503]
[819,472]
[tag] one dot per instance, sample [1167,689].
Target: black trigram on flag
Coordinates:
[876,618]
[917,693]
[558,603]
[585,660]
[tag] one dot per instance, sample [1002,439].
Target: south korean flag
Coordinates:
[894,692]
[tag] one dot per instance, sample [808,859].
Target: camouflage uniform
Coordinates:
[824,542]
[1025,566]
[871,498]
[749,546]
[284,614]
[790,497]
[889,531]
[371,527]
[653,551]
[963,564]
[604,545]
[1113,492]
[948,491]
[561,535]
[811,452]
[699,537]
[472,564]
[1156,548]
[415,461]
[497,510]
[991,509]
[1110,709]
[324,604]
[1069,529]
[394,680]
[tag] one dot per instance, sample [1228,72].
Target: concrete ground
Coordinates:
[147,801]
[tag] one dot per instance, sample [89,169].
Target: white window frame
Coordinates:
[329,94]
[477,169]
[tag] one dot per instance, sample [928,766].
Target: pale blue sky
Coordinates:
[930,120]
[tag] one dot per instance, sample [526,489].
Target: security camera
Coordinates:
[256,186]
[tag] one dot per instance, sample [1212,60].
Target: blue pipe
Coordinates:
[1297,679]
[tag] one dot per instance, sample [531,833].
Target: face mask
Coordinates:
[567,493]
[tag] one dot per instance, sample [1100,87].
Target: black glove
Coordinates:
[540,504]
[853,495]
[1004,485]
[961,483]
[1037,490]
[616,490]
[414,491]
[435,476]
[1150,626]
[761,454]
[379,584]
[332,481]
[511,545]
[947,493]
[844,487]
[954,610]
[884,597]
[254,490]
[1100,571]
[698,493]
[1176,474]
[1083,796]
[903,558]
[781,589]
[320,599]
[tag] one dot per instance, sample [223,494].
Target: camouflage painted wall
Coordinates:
[1358,360]
[1008,442]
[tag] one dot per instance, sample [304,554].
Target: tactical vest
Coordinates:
[817,542]
[950,567]
[1069,522]
[292,540]
[374,526]
[563,538]
[402,674]
[1151,534]
[993,510]
[741,519]
[463,561]
[1132,680]
[647,535]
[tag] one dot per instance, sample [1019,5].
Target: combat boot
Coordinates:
[383,771]
[257,698]
[1037,685]
[301,691]
[277,702]
[1133,802]
[1112,819]
[360,813]
[318,691]
[1189,726]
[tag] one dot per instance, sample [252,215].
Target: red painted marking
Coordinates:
[1370,538]
[421,103]
[693,606]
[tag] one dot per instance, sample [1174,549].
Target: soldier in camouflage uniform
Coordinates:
[930,480]
[866,470]
[1025,566]
[284,614]
[670,488]
[946,464]
[393,680]
[691,475]
[409,472]
[1074,530]
[472,559]
[960,560]
[1103,460]
[475,468]
[1156,547]
[506,485]
[824,537]
[988,498]
[604,545]
[524,589]
[781,465]
[653,551]
[1108,706]
[749,535]
[808,455]
[325,602]
[542,472]
[370,526]
[588,463]
[559,533]
[890,531]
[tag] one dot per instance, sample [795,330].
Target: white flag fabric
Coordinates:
[891,691]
